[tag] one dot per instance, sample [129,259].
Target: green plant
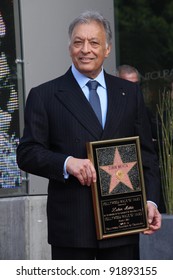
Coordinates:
[165,142]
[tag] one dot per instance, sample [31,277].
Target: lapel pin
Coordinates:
[123,93]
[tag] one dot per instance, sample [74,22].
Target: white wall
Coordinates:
[45,35]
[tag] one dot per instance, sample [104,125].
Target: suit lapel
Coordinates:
[71,95]
[116,106]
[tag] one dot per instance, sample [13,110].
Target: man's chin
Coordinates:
[87,71]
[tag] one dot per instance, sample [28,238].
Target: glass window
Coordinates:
[10,83]
[144,39]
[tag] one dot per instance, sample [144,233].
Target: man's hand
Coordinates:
[82,169]
[154,218]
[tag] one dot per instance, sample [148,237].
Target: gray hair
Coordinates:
[87,17]
[122,69]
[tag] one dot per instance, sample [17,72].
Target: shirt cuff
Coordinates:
[65,173]
[153,203]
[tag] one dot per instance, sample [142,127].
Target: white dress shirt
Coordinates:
[101,90]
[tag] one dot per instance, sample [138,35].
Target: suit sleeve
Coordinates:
[33,153]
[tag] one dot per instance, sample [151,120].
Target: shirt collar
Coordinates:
[82,79]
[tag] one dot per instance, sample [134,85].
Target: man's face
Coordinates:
[88,48]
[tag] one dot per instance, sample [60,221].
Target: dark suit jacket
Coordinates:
[58,122]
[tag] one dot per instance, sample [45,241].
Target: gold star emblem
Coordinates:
[119,172]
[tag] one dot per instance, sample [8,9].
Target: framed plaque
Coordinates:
[119,197]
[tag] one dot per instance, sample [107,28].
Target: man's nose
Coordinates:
[86,47]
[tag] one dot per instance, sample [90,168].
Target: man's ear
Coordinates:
[108,50]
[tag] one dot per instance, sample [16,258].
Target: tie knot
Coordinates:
[92,85]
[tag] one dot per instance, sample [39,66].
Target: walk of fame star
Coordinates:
[119,172]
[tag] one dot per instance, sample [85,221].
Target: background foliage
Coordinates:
[145,34]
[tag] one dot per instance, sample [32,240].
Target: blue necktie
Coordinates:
[94,99]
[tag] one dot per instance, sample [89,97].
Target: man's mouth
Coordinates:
[86,59]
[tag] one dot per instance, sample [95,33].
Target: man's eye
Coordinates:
[93,43]
[77,43]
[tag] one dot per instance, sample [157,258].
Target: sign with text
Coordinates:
[119,197]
